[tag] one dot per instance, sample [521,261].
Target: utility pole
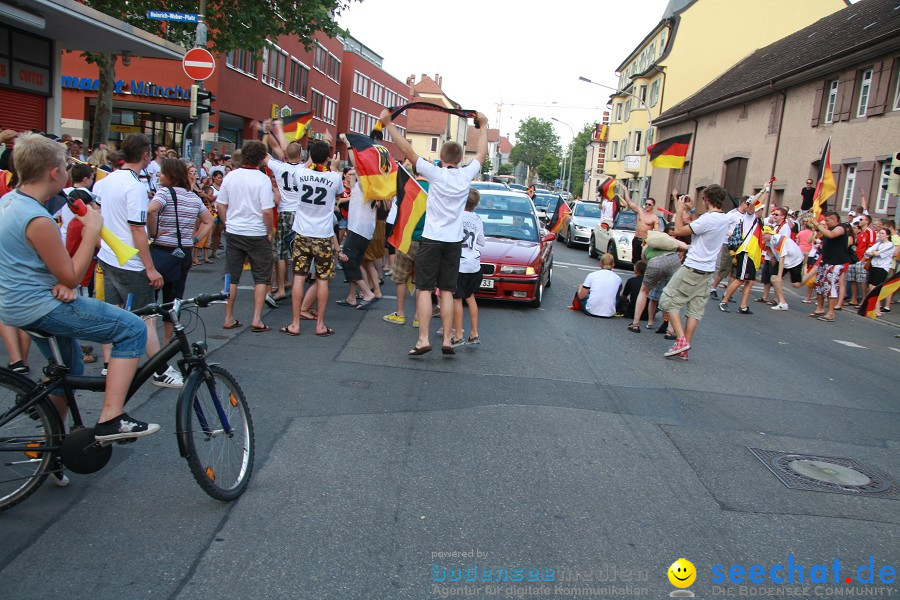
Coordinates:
[202,122]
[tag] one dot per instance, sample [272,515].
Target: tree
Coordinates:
[579,157]
[548,170]
[487,166]
[505,169]
[232,25]
[535,139]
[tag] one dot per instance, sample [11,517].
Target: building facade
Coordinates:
[695,41]
[772,113]
[428,130]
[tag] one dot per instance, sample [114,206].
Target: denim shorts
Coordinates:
[92,320]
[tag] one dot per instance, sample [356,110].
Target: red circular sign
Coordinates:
[198,64]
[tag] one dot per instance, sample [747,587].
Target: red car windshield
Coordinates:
[509,225]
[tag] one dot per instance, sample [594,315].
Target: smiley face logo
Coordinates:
[682,573]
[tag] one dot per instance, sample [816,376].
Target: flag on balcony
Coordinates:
[670,153]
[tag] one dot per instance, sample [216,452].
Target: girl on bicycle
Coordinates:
[38,277]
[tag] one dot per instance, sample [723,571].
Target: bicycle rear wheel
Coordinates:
[214,414]
[24,440]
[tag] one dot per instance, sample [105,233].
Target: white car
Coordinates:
[617,241]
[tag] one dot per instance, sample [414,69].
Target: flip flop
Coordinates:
[365,304]
[345,303]
[234,325]
[280,298]
[328,331]
[286,330]
[262,329]
[825,319]
[816,315]
[419,351]
[447,350]
[305,318]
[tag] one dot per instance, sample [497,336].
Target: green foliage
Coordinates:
[535,139]
[579,156]
[549,168]
[487,166]
[505,169]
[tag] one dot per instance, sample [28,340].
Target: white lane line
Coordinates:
[560,266]
[894,349]
[568,264]
[850,344]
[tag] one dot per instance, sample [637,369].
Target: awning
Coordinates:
[77,27]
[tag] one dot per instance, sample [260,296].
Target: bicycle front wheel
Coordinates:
[28,441]
[219,433]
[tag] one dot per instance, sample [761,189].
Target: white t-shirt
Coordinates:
[472,243]
[606,210]
[447,194]
[709,233]
[790,252]
[361,215]
[885,255]
[605,288]
[284,177]
[153,170]
[65,215]
[318,190]
[123,203]
[247,192]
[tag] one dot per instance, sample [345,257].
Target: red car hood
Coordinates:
[509,252]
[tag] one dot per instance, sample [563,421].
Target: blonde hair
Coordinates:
[99,158]
[34,155]
[473,200]
[607,260]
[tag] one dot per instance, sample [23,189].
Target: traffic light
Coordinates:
[894,177]
[200,102]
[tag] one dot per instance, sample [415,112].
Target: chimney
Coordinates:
[438,79]
[411,82]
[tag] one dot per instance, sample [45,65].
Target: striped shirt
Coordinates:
[189,208]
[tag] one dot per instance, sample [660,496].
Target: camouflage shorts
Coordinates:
[307,251]
[284,235]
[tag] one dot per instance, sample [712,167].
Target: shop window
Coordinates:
[299,78]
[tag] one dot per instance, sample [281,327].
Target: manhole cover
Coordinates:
[826,474]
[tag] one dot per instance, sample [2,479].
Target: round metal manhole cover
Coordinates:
[829,472]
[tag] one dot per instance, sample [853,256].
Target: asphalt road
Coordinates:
[561,443]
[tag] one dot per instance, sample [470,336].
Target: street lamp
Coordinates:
[571,150]
[649,119]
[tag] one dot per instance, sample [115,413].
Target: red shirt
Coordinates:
[73,241]
[864,241]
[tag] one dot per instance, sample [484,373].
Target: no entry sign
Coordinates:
[198,64]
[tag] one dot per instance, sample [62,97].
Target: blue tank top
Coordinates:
[26,284]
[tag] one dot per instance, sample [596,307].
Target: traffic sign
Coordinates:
[198,64]
[164,15]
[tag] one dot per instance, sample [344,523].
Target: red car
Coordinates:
[517,259]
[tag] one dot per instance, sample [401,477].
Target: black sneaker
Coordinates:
[19,367]
[123,427]
[745,310]
[723,306]
[713,294]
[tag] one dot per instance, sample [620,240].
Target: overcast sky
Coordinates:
[516,52]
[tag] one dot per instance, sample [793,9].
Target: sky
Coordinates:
[523,54]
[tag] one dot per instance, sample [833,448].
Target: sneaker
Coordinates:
[394,318]
[416,322]
[57,475]
[123,427]
[458,342]
[473,340]
[170,379]
[782,306]
[683,355]
[103,372]
[807,301]
[272,302]
[723,306]
[745,310]
[886,309]
[681,345]
[19,367]
[713,294]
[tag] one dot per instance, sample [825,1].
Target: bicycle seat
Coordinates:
[38,333]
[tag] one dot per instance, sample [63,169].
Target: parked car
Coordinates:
[578,224]
[506,200]
[617,241]
[489,185]
[518,187]
[517,259]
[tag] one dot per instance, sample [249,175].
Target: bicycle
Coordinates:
[215,436]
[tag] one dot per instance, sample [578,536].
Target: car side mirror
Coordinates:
[548,237]
[604,226]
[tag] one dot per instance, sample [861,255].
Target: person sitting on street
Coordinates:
[601,289]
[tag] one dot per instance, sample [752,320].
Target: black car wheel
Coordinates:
[538,294]
[569,242]
[550,275]
[612,250]
[592,249]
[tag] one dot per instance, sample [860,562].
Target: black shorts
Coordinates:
[796,273]
[119,283]
[253,248]
[437,265]
[467,284]
[766,272]
[877,276]
[744,269]
[354,247]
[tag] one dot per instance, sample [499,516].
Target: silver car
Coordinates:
[579,223]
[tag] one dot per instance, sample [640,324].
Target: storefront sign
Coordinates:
[28,77]
[124,128]
[133,88]
[4,71]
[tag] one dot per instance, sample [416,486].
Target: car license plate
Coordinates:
[487,284]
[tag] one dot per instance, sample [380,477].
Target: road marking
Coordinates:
[850,344]
[567,264]
[894,349]
[560,266]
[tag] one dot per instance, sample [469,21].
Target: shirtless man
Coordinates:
[646,221]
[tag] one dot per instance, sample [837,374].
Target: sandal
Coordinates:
[816,315]
[634,328]
[89,358]
[419,351]
[312,316]
[234,325]
[328,331]
[344,303]
[262,329]
[825,319]
[447,350]
[286,329]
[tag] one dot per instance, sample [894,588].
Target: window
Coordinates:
[618,112]
[299,78]
[849,184]
[372,120]
[390,98]
[864,93]
[897,95]
[360,84]
[615,150]
[320,57]
[274,62]
[317,99]
[376,92]
[329,110]
[357,119]
[628,109]
[832,100]
[642,93]
[334,67]
[242,60]
[881,203]
[654,93]
[637,142]
[434,141]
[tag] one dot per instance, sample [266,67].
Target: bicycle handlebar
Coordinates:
[201,300]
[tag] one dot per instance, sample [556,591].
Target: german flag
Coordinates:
[608,188]
[752,244]
[869,308]
[411,204]
[559,219]
[670,153]
[297,123]
[376,168]
[825,187]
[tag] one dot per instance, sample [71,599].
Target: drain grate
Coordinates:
[827,474]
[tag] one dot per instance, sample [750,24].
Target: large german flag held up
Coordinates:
[375,166]
[296,124]
[411,204]
[670,153]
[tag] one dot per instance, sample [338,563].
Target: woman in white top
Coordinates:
[881,254]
